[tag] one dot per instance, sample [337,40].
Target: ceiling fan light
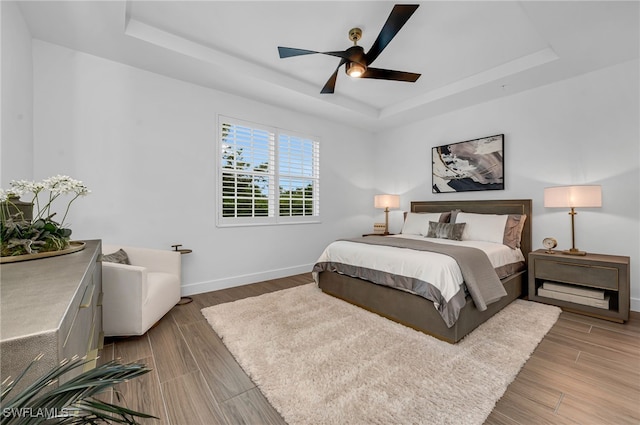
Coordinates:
[355,69]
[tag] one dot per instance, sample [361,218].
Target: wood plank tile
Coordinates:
[289,282]
[592,365]
[587,412]
[172,355]
[572,325]
[187,313]
[578,384]
[104,356]
[557,350]
[497,418]
[525,411]
[632,371]
[191,402]
[594,369]
[251,408]
[212,298]
[245,291]
[630,327]
[143,395]
[570,340]
[219,369]
[618,341]
[131,348]
[537,392]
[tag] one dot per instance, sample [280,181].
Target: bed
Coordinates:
[418,312]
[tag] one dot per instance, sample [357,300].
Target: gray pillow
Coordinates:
[453,214]
[119,257]
[451,231]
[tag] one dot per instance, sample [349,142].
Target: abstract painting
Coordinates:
[469,166]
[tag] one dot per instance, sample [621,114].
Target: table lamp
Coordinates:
[386,202]
[573,197]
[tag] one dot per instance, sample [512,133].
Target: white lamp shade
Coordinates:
[387,201]
[573,196]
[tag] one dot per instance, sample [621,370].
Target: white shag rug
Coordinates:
[320,360]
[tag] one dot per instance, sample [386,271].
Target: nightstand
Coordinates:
[594,284]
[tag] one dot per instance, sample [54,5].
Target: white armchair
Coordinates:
[136,296]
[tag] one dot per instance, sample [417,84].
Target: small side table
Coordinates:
[183,300]
[181,250]
[606,273]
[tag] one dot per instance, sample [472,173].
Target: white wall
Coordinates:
[145,145]
[16,147]
[584,130]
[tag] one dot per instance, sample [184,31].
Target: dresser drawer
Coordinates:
[76,340]
[581,274]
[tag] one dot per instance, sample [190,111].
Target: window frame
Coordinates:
[273,217]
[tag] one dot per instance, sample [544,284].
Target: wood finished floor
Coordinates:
[585,371]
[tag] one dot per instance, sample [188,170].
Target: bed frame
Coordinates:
[417,312]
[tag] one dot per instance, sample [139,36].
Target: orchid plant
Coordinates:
[21,236]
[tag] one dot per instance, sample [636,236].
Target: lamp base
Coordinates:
[574,251]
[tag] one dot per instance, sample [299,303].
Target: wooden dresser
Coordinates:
[50,306]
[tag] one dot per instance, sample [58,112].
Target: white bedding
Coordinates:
[439,270]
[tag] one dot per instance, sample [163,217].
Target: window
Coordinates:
[266,175]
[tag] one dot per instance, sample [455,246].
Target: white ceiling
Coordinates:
[467,52]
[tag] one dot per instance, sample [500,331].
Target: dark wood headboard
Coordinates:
[501,206]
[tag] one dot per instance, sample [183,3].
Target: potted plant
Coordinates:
[73,402]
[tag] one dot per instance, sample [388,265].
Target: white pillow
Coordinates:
[418,223]
[482,227]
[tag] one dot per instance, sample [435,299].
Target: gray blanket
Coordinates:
[481,279]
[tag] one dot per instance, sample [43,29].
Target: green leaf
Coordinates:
[75,395]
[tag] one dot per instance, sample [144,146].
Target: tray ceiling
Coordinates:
[467,52]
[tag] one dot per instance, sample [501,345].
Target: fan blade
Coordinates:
[396,20]
[330,85]
[287,52]
[388,74]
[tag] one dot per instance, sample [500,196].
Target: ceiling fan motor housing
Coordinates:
[357,64]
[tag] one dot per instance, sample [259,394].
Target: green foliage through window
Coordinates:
[254,161]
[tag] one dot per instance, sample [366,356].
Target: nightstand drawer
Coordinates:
[581,274]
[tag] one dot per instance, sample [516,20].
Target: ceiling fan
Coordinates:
[357,62]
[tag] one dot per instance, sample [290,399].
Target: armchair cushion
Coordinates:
[136,296]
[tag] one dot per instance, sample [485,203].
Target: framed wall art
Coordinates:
[469,166]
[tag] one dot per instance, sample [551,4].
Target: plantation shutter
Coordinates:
[298,176]
[247,172]
[266,176]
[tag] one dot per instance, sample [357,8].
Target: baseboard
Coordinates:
[230,282]
[635,304]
